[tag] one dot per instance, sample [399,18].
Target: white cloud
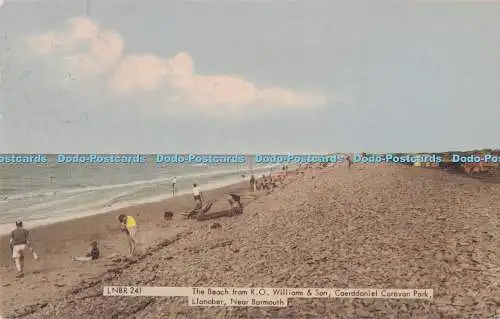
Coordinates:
[85,47]
[89,49]
[146,72]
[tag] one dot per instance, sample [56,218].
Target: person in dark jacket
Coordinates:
[19,243]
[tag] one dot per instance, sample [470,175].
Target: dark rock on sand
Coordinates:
[215,226]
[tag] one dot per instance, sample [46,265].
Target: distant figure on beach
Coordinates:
[197,196]
[168,215]
[265,182]
[349,162]
[174,182]
[93,255]
[258,185]
[19,242]
[253,185]
[274,182]
[129,227]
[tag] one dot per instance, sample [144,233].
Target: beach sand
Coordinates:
[379,227]
[54,273]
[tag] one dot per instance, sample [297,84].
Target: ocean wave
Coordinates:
[102,205]
[48,204]
[67,200]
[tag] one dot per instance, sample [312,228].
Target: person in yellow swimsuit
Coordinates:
[129,226]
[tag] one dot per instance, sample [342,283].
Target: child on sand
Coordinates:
[93,255]
[129,227]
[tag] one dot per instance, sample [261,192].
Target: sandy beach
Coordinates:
[54,273]
[381,227]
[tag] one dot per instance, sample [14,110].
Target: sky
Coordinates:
[249,77]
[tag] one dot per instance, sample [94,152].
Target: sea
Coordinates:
[46,193]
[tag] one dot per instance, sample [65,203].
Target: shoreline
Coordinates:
[58,242]
[60,201]
[143,213]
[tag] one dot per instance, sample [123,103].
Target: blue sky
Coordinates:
[232,77]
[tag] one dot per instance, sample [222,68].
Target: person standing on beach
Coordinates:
[174,182]
[349,162]
[129,227]
[19,242]
[197,195]
[252,183]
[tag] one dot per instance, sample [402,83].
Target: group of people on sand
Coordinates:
[20,242]
[20,237]
[128,226]
[197,194]
[196,191]
[266,182]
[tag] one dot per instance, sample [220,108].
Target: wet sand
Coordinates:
[381,227]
